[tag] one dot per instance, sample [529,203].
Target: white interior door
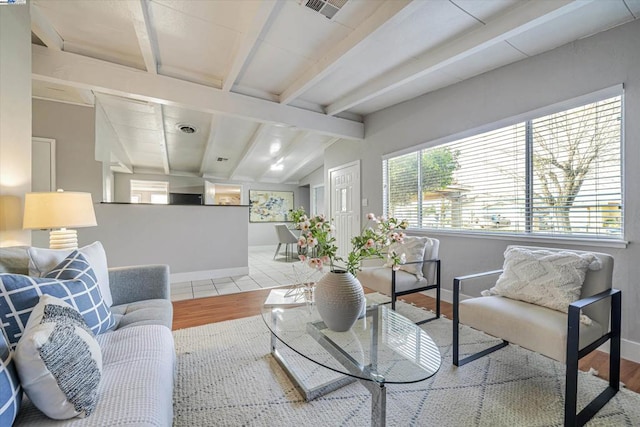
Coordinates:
[344,206]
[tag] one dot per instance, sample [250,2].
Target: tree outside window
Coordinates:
[555,175]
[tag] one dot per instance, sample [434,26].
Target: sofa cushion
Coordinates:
[59,361]
[136,388]
[14,259]
[19,294]
[528,325]
[41,261]
[147,312]
[10,389]
[550,279]
[379,279]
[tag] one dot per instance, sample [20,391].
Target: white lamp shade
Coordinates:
[62,209]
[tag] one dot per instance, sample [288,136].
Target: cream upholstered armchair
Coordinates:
[419,273]
[541,278]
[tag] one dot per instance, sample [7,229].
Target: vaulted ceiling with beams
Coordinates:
[256,90]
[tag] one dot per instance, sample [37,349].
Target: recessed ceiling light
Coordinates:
[275,147]
[186,128]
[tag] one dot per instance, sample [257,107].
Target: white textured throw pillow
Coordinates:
[546,278]
[42,261]
[59,361]
[414,248]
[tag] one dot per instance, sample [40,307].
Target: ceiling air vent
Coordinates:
[328,8]
[186,128]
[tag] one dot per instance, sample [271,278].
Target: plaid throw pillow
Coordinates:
[10,390]
[19,294]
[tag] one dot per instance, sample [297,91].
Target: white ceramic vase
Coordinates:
[340,300]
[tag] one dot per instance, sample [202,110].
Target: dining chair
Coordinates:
[285,237]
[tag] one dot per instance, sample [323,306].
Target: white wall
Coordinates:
[15,121]
[572,70]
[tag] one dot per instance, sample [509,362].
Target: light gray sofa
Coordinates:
[136,388]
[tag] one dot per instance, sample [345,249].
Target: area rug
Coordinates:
[226,376]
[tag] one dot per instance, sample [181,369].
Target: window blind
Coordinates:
[556,175]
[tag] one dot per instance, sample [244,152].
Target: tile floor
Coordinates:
[264,272]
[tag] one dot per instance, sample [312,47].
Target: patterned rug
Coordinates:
[227,377]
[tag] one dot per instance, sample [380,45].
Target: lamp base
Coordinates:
[63,239]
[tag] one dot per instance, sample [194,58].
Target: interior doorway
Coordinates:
[317,200]
[344,206]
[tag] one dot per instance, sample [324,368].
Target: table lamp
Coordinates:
[59,211]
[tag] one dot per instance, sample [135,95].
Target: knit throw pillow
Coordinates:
[546,278]
[59,361]
[413,247]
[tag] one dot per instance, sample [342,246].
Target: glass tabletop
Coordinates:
[382,346]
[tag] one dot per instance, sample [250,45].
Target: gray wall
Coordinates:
[579,68]
[206,241]
[15,121]
[73,128]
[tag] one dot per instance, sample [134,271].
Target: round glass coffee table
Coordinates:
[383,347]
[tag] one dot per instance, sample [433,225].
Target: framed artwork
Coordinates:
[269,206]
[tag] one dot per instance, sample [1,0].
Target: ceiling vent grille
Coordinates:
[328,8]
[186,128]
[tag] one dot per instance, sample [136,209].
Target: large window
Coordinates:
[555,175]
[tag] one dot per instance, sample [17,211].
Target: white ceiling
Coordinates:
[253,75]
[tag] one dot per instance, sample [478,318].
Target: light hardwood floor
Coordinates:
[196,312]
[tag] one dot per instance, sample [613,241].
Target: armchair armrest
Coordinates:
[573,324]
[137,283]
[582,303]
[457,281]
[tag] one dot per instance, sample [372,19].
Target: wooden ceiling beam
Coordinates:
[140,16]
[389,13]
[266,9]
[318,152]
[106,77]
[211,143]
[164,149]
[108,142]
[513,22]
[249,148]
[44,30]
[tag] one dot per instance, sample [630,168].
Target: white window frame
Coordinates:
[613,91]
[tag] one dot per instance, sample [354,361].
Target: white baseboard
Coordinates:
[629,350]
[445,295]
[208,274]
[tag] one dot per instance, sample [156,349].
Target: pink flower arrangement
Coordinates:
[317,236]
